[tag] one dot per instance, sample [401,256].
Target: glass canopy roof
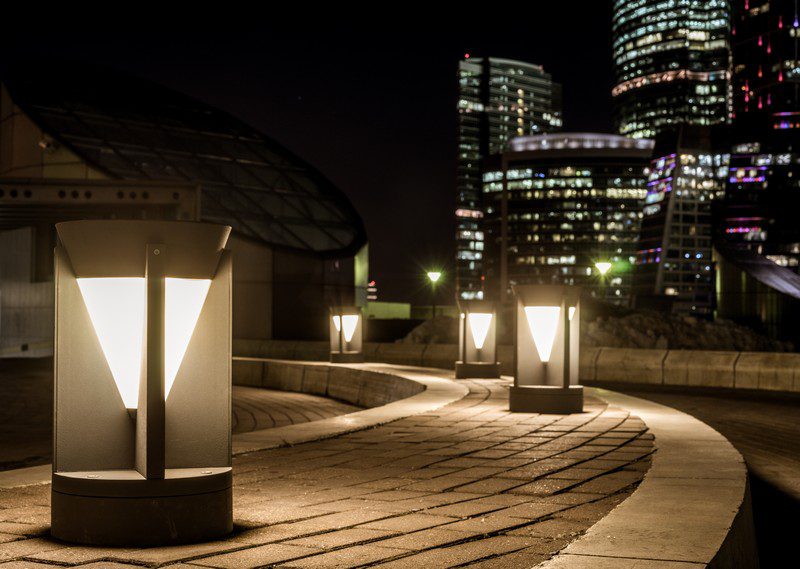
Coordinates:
[132,129]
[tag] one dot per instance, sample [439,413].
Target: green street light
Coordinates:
[603,267]
[433,277]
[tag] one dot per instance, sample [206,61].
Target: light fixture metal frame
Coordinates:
[161,473]
[547,386]
[472,361]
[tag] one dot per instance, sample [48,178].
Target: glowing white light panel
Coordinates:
[479,324]
[350,323]
[543,322]
[184,299]
[117,308]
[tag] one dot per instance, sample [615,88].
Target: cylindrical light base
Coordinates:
[477,370]
[546,399]
[347,357]
[120,508]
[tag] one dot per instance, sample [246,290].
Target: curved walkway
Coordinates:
[255,408]
[469,483]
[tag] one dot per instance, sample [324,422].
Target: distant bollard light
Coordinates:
[142,445]
[477,340]
[347,334]
[547,346]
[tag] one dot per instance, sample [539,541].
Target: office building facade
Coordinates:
[559,205]
[499,99]
[672,64]
[675,257]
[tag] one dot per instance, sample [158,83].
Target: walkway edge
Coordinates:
[691,510]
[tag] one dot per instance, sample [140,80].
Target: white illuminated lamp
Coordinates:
[347,334]
[142,448]
[477,340]
[547,350]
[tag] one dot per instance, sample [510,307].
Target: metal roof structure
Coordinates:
[762,269]
[131,129]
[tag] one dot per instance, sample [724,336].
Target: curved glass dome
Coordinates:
[132,129]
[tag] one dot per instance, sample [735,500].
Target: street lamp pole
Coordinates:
[603,267]
[433,277]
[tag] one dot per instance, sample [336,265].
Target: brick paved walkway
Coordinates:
[255,408]
[469,484]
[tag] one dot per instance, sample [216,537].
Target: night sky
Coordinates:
[372,104]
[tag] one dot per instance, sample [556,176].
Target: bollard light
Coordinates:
[142,443]
[547,345]
[477,340]
[347,334]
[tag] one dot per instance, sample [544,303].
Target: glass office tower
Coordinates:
[565,209]
[763,189]
[499,99]
[672,64]
[675,248]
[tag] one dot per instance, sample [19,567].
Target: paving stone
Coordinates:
[408,523]
[271,554]
[349,557]
[427,539]
[341,538]
[461,553]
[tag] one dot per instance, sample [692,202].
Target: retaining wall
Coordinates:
[364,388]
[734,370]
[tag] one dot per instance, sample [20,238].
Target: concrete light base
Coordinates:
[347,357]
[466,370]
[121,508]
[546,399]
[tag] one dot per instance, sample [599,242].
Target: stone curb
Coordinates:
[436,392]
[691,510]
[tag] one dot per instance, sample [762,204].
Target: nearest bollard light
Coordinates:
[477,340]
[142,431]
[547,344]
[347,334]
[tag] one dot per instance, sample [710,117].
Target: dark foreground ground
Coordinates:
[765,428]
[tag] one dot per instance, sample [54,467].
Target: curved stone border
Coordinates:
[691,510]
[369,385]
[390,392]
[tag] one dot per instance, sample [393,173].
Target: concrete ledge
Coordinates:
[630,366]
[736,370]
[691,510]
[700,368]
[768,371]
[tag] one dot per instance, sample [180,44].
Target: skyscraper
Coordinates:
[763,190]
[672,64]
[499,99]
[675,247]
[565,209]
[766,62]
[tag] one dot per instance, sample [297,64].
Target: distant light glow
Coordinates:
[434,276]
[543,323]
[116,308]
[479,324]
